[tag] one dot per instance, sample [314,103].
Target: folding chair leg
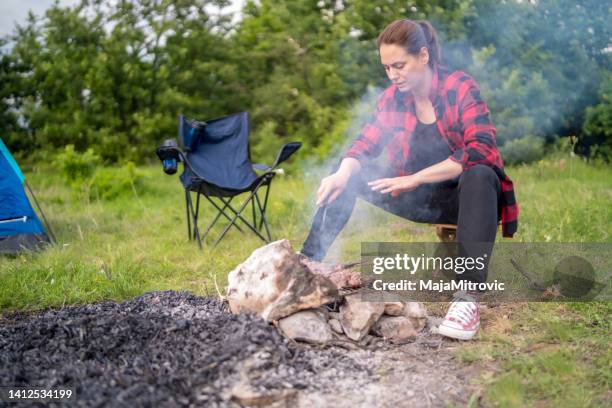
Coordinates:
[233,221]
[225,206]
[253,210]
[197,211]
[265,202]
[262,214]
[221,212]
[187,203]
[264,221]
[192,214]
[257,223]
[237,215]
[210,226]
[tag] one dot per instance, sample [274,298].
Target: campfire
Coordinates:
[169,348]
[165,349]
[315,302]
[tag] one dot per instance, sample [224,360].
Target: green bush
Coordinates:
[76,166]
[265,143]
[597,128]
[84,172]
[524,150]
[111,182]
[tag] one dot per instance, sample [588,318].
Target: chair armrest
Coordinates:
[285,152]
[169,153]
[262,167]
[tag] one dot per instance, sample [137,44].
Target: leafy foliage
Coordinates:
[524,150]
[109,183]
[598,124]
[115,75]
[75,166]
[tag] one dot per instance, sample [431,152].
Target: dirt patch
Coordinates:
[421,374]
[173,349]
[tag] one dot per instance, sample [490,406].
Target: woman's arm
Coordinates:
[479,145]
[445,170]
[478,131]
[332,186]
[368,145]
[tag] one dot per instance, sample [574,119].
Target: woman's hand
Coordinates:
[395,185]
[331,187]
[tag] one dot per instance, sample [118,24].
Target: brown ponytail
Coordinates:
[412,35]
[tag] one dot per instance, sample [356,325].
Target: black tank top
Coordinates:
[427,147]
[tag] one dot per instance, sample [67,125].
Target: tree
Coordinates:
[113,75]
[597,130]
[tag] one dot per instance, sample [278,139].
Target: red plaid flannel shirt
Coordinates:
[463,121]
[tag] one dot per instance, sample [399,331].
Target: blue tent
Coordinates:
[20,227]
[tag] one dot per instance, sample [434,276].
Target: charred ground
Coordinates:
[174,348]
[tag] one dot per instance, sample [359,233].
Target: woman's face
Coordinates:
[405,70]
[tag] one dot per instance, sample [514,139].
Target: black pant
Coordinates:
[471,201]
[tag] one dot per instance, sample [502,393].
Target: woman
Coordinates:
[444,166]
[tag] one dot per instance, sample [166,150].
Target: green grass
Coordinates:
[552,355]
[135,243]
[559,357]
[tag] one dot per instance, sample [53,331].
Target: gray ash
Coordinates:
[163,348]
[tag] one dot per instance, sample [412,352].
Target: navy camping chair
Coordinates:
[217,166]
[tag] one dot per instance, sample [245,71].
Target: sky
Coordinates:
[16,11]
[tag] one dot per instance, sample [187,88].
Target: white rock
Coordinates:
[306,325]
[397,329]
[414,309]
[394,308]
[335,326]
[357,317]
[418,324]
[273,283]
[417,313]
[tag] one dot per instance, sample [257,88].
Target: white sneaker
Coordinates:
[462,320]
